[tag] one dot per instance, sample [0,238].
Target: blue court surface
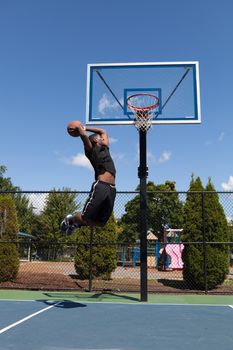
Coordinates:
[115,325]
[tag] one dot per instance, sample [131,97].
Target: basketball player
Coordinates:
[99,205]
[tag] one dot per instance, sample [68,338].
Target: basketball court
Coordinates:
[136,69]
[68,321]
[139,94]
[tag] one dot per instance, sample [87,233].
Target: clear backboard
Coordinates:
[175,84]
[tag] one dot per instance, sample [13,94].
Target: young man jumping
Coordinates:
[99,205]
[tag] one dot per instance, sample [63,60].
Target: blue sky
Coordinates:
[45,48]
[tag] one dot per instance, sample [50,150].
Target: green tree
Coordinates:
[25,213]
[5,182]
[23,207]
[216,229]
[57,206]
[9,257]
[104,252]
[167,209]
[192,256]
[163,208]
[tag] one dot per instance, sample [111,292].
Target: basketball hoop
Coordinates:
[144,108]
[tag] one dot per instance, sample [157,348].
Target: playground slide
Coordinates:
[175,253]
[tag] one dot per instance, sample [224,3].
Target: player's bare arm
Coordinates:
[103,134]
[77,129]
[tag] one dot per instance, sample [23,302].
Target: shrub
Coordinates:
[104,252]
[9,261]
[9,257]
[216,230]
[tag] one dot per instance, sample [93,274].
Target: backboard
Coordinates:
[176,84]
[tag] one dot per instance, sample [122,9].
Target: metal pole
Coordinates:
[90,258]
[30,250]
[204,242]
[142,174]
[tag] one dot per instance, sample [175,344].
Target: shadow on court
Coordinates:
[175,284]
[93,297]
[115,296]
[64,304]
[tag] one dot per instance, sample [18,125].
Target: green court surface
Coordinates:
[111,297]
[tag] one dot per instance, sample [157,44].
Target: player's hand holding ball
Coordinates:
[75,129]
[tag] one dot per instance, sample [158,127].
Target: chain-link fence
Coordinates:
[189,243]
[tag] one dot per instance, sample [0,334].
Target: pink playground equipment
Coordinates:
[173,249]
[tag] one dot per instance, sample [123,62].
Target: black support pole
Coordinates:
[204,242]
[142,174]
[90,258]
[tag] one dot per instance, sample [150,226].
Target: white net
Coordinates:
[143,120]
[144,108]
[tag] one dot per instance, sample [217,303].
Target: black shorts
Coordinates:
[100,203]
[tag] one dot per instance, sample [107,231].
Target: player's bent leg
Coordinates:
[72,222]
[67,225]
[88,222]
[79,220]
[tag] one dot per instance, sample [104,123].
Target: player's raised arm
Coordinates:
[103,134]
[76,129]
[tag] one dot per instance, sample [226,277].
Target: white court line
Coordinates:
[27,318]
[231,306]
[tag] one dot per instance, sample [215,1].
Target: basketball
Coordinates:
[73,128]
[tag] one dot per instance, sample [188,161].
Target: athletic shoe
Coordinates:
[67,226]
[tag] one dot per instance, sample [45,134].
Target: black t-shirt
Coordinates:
[101,160]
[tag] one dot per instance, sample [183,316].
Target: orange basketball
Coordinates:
[73,128]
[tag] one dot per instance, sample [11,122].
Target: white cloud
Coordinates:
[219,139]
[112,140]
[105,103]
[229,219]
[221,136]
[79,160]
[166,156]
[118,156]
[151,157]
[207,143]
[38,201]
[228,186]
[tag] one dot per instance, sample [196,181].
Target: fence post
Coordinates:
[90,258]
[204,242]
[30,250]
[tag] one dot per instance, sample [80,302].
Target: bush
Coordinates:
[217,266]
[9,257]
[9,261]
[104,253]
[216,230]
